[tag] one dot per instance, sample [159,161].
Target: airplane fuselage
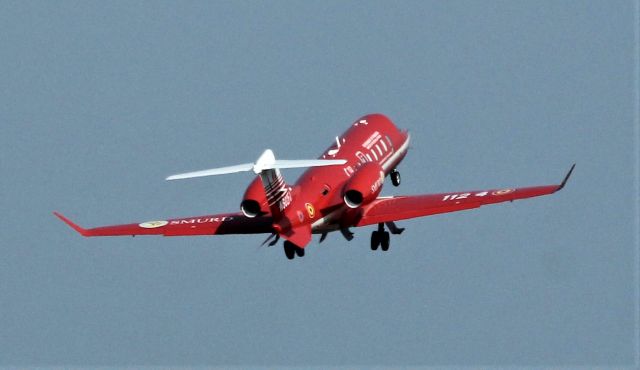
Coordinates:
[318,196]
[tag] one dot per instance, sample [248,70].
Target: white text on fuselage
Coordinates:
[286,200]
[378,184]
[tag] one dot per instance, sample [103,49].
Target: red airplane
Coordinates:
[337,191]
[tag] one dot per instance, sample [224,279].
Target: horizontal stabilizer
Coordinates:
[300,163]
[214,171]
[266,161]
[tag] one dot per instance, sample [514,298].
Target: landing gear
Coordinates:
[375,240]
[395,177]
[380,238]
[346,233]
[395,230]
[291,250]
[385,241]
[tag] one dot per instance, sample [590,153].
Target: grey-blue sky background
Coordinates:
[100,101]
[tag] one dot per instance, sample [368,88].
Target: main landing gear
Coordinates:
[380,238]
[291,250]
[395,177]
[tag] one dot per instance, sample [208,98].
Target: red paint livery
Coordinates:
[338,191]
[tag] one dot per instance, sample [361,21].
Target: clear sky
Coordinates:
[99,101]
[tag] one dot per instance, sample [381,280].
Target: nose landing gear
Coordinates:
[395,177]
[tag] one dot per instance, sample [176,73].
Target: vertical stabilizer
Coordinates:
[276,189]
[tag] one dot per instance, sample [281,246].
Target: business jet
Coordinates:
[339,191]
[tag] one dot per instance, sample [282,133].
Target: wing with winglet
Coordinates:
[228,223]
[386,209]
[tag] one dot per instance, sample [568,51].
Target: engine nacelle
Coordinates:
[364,186]
[254,201]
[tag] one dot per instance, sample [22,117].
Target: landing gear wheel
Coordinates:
[375,240]
[289,249]
[299,251]
[385,241]
[395,177]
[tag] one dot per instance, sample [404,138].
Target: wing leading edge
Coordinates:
[404,207]
[228,223]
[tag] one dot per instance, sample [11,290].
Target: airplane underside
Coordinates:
[380,238]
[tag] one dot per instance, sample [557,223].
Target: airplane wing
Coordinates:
[396,208]
[228,223]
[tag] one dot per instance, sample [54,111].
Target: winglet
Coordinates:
[566,178]
[83,232]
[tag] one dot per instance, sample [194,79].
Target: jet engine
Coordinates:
[364,186]
[254,201]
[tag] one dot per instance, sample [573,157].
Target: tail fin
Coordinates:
[268,167]
[276,189]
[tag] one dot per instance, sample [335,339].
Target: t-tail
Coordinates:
[268,167]
[275,188]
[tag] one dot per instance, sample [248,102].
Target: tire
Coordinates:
[395,178]
[375,240]
[289,250]
[299,251]
[385,241]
